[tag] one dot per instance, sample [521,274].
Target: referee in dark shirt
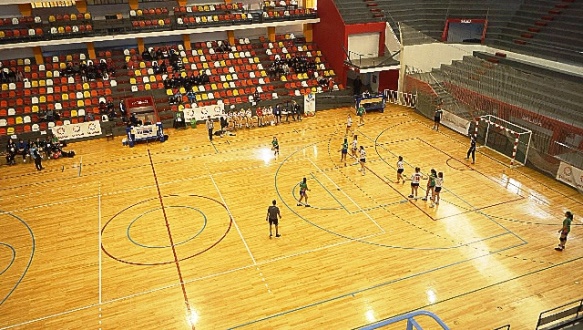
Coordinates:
[273,217]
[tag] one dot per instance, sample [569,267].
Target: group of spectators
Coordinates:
[177,81]
[8,75]
[89,71]
[164,54]
[284,66]
[50,147]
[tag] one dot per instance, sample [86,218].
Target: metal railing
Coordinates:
[411,322]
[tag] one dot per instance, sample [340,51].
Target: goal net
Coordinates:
[506,138]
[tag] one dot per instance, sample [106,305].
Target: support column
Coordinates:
[38,55]
[310,4]
[186,42]
[133,4]
[231,37]
[25,9]
[271,34]
[81,6]
[309,32]
[141,46]
[91,50]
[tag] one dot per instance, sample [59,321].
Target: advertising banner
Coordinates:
[77,131]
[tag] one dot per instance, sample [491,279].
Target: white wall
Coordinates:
[431,56]
[364,44]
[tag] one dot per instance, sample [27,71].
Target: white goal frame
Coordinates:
[503,125]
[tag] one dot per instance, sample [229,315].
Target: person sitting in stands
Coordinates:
[256,97]
[204,78]
[134,120]
[146,55]
[163,68]
[191,96]
[22,149]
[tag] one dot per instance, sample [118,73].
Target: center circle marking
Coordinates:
[165,246]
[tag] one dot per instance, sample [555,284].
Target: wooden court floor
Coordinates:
[173,235]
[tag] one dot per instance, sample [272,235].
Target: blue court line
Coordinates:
[344,236]
[444,188]
[353,293]
[293,191]
[320,183]
[11,259]
[33,247]
[487,286]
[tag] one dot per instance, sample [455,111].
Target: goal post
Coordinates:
[504,137]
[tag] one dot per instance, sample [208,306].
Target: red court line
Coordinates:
[176,261]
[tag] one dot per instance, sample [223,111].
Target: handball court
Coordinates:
[173,235]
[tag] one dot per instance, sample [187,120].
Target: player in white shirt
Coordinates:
[437,189]
[415,179]
[354,147]
[400,170]
[362,159]
[348,124]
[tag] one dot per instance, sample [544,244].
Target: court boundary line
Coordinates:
[375,286]
[233,219]
[170,286]
[99,256]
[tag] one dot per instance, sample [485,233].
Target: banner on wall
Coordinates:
[310,104]
[201,113]
[454,122]
[570,175]
[77,131]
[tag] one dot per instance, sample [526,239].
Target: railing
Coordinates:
[561,317]
[411,322]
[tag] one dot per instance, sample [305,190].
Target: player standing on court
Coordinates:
[415,179]
[360,112]
[472,150]
[348,124]
[437,118]
[362,160]
[344,151]
[565,231]
[304,193]
[437,190]
[354,147]
[430,184]
[273,216]
[400,170]
[275,146]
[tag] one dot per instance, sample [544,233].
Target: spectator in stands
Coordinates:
[146,55]
[134,120]
[11,150]
[191,96]
[256,96]
[122,108]
[163,68]
[22,149]
[223,47]
[204,78]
